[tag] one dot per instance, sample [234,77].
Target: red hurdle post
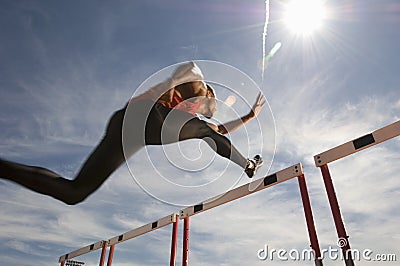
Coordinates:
[185,255]
[310,220]
[337,216]
[103,253]
[110,255]
[174,241]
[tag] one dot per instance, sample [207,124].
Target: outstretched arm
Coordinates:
[237,123]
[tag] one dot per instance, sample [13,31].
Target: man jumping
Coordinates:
[164,114]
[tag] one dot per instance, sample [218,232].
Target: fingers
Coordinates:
[260,99]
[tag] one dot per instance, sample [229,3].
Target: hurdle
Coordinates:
[167,220]
[250,188]
[341,151]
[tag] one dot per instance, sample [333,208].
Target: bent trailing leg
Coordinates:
[166,126]
[169,126]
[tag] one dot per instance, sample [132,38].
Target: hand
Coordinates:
[260,102]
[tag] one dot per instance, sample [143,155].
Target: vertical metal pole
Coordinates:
[337,217]
[103,253]
[110,255]
[174,241]
[185,255]
[312,233]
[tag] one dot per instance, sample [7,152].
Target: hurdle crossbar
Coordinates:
[242,191]
[361,143]
[82,251]
[143,229]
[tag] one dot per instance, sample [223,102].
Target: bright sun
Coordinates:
[304,16]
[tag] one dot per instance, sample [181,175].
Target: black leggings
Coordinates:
[145,123]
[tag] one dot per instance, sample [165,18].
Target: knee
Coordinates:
[75,195]
[74,199]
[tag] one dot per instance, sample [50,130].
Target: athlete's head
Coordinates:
[189,90]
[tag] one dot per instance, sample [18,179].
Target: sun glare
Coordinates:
[304,16]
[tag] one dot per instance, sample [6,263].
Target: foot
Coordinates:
[252,165]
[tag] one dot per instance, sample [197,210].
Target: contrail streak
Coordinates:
[264,38]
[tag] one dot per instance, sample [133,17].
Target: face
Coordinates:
[209,107]
[199,87]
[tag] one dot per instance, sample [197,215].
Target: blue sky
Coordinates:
[67,66]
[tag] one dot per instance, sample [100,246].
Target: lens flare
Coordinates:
[264,62]
[230,100]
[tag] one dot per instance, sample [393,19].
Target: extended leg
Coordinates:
[38,179]
[107,157]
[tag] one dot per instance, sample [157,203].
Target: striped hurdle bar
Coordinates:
[98,245]
[341,151]
[170,219]
[250,188]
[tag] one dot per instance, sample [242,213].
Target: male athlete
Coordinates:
[164,114]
